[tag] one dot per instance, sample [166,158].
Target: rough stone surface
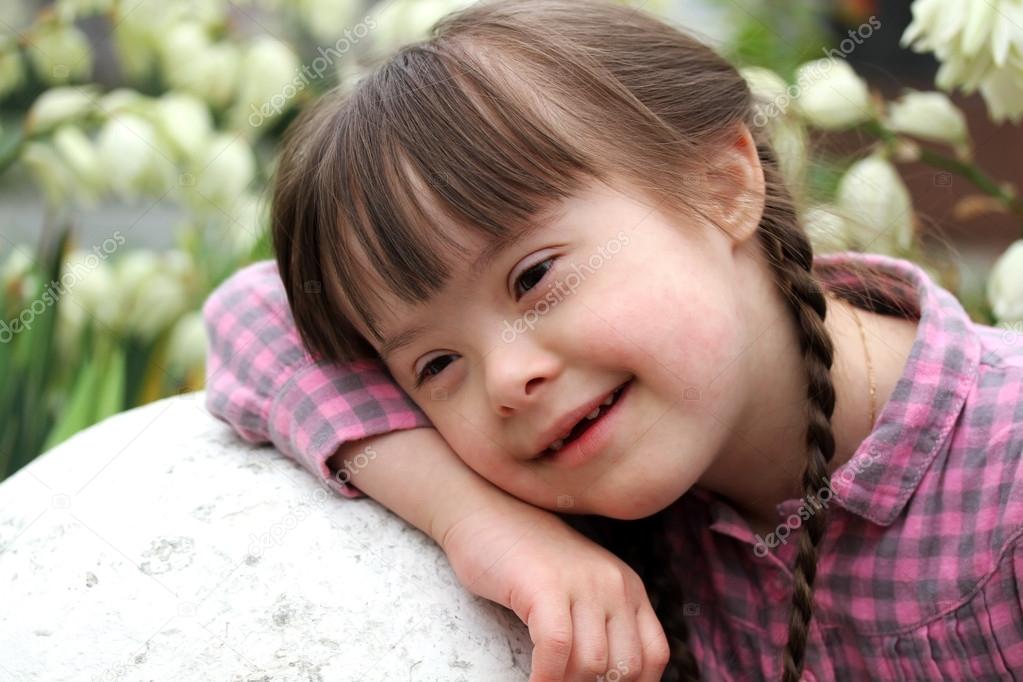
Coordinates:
[158,546]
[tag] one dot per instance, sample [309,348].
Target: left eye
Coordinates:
[425,375]
[530,275]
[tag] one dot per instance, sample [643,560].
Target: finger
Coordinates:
[589,643]
[625,651]
[550,628]
[653,643]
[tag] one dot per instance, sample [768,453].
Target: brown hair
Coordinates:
[507,108]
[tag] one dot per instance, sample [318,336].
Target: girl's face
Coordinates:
[606,291]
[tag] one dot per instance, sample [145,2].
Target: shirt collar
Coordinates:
[919,418]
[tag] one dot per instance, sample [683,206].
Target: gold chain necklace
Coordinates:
[870,369]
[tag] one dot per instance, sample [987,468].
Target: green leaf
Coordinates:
[110,393]
[80,408]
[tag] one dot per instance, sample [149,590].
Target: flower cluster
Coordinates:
[980,46]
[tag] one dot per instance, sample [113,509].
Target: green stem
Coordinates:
[974,175]
[965,170]
[10,153]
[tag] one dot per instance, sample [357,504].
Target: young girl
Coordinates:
[553,232]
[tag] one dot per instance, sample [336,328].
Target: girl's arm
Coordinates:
[261,381]
[352,425]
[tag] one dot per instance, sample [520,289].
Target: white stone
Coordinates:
[157,545]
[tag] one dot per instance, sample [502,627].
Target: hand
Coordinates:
[587,611]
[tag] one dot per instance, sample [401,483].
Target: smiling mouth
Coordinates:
[585,423]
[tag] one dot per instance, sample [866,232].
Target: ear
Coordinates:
[738,195]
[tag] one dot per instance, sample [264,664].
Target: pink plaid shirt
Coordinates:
[920,567]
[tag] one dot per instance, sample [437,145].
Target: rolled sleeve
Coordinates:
[262,381]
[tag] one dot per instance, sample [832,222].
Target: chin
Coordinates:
[632,510]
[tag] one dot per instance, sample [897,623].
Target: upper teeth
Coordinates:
[557,445]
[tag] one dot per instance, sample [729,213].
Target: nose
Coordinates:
[517,373]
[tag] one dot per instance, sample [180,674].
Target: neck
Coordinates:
[769,444]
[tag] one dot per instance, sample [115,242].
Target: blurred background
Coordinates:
[137,139]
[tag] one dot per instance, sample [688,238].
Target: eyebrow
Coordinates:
[486,258]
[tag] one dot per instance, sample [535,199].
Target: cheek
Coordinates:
[675,323]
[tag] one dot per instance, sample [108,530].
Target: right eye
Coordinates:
[425,375]
[529,275]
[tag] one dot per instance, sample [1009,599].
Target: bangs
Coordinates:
[436,146]
[474,136]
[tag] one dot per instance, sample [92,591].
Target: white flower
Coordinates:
[831,95]
[327,19]
[60,53]
[788,138]
[1003,92]
[929,116]
[267,84]
[878,206]
[1005,285]
[827,229]
[979,44]
[133,158]
[88,283]
[124,100]
[191,63]
[766,86]
[80,154]
[186,347]
[406,21]
[185,121]
[17,276]
[58,105]
[179,264]
[12,68]
[246,223]
[151,296]
[49,172]
[222,173]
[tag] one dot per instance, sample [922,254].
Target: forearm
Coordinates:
[416,474]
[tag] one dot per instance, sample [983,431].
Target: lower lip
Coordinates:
[593,440]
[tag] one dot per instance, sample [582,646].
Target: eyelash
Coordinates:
[422,377]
